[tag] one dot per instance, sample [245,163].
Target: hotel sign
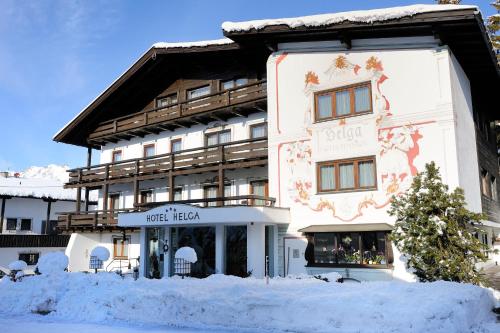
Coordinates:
[173,214]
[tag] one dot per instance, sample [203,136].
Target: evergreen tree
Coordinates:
[436,232]
[448,2]
[493,25]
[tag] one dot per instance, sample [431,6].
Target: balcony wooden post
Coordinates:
[136,184]
[47,218]
[105,190]
[68,222]
[95,219]
[78,199]
[220,190]
[171,185]
[89,163]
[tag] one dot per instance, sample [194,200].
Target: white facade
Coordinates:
[421,113]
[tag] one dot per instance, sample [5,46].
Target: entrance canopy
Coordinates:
[348,227]
[181,214]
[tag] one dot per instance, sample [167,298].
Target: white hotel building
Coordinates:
[287,140]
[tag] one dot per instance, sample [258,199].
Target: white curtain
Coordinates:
[325,106]
[362,99]
[202,91]
[258,131]
[366,176]
[343,103]
[327,177]
[211,192]
[346,176]
[212,139]
[224,137]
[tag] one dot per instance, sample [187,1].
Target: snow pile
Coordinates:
[52,171]
[202,43]
[187,253]
[18,265]
[100,252]
[360,16]
[286,304]
[52,263]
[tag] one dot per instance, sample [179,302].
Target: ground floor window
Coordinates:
[120,247]
[370,248]
[236,250]
[29,258]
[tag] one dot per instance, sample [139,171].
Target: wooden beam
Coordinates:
[47,218]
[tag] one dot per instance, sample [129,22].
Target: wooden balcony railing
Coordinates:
[236,154]
[109,218]
[155,118]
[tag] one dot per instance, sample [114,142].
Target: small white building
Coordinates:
[27,201]
[286,141]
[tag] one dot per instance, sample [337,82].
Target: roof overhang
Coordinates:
[347,227]
[188,215]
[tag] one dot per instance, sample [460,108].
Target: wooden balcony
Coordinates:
[108,219]
[238,101]
[232,155]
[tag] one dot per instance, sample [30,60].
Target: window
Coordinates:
[117,156]
[149,150]
[29,258]
[485,184]
[114,201]
[25,224]
[166,101]
[198,92]
[258,131]
[146,196]
[345,175]
[216,138]
[348,248]
[261,188]
[120,247]
[177,193]
[11,224]
[211,192]
[175,145]
[225,85]
[493,188]
[343,102]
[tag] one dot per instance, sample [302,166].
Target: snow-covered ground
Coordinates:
[230,303]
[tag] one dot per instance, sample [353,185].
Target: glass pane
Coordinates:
[327,176]
[11,224]
[176,145]
[177,194]
[236,251]
[259,188]
[227,84]
[374,248]
[25,224]
[149,151]
[212,139]
[166,101]
[117,156]
[347,175]
[348,248]
[324,248]
[324,106]
[198,92]
[362,99]
[258,131]
[241,82]
[224,137]
[202,240]
[343,103]
[211,192]
[366,174]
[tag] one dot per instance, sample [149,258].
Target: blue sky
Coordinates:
[57,56]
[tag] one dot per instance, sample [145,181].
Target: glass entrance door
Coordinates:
[236,250]
[154,253]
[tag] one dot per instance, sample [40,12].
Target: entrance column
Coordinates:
[219,249]
[256,249]
[143,252]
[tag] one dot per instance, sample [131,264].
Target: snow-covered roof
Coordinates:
[39,182]
[201,43]
[359,16]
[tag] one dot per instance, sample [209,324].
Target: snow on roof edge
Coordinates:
[201,43]
[359,16]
